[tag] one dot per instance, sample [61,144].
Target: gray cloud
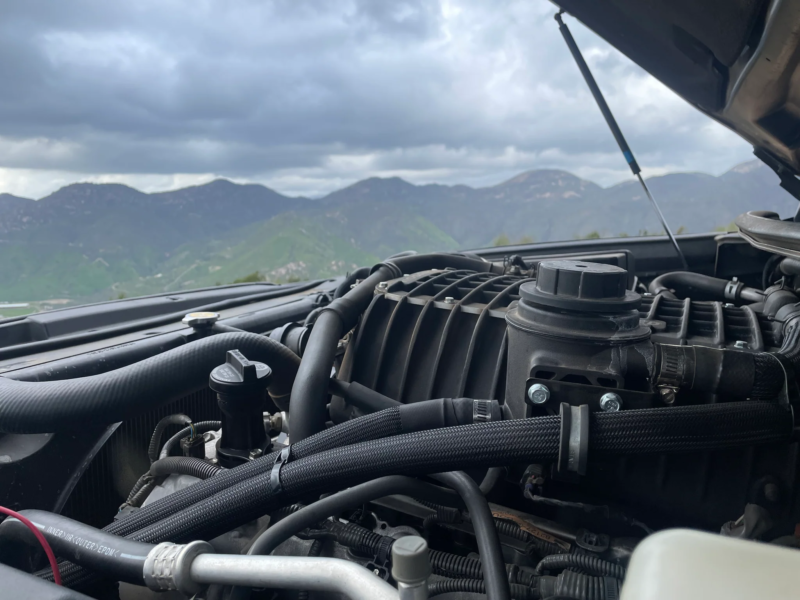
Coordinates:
[310,94]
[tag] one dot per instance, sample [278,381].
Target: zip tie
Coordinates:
[275,475]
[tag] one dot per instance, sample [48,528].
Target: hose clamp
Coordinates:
[573,444]
[167,567]
[732,290]
[275,475]
[481,411]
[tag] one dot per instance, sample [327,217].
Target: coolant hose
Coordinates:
[629,432]
[403,419]
[489,549]
[109,554]
[730,373]
[307,405]
[47,406]
[703,287]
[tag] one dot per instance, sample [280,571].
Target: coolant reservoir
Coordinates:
[681,564]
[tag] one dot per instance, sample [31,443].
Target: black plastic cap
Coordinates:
[239,375]
[410,562]
[579,285]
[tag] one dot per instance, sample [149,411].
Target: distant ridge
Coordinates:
[220,231]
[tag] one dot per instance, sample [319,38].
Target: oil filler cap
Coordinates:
[580,285]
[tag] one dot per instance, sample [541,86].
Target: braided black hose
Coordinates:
[589,564]
[635,431]
[678,429]
[475,586]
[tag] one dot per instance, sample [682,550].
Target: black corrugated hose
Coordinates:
[184,465]
[675,429]
[119,395]
[592,565]
[476,586]
[389,422]
[307,405]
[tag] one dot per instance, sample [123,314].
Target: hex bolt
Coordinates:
[610,402]
[741,344]
[382,286]
[449,300]
[538,394]
[255,453]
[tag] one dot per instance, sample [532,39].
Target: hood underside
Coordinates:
[735,60]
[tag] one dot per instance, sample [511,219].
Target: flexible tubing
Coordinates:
[491,553]
[674,429]
[109,554]
[47,406]
[184,465]
[51,557]
[312,514]
[155,440]
[591,565]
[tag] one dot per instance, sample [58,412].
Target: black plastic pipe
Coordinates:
[121,558]
[491,553]
[702,287]
[44,407]
[307,405]
[352,497]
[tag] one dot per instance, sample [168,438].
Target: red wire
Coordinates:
[47,549]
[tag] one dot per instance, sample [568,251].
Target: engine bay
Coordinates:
[507,425]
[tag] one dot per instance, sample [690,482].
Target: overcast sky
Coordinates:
[310,96]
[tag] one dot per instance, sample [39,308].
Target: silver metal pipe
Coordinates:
[292,572]
[663,222]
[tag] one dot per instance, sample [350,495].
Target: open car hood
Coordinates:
[735,60]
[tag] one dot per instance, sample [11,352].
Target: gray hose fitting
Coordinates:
[411,567]
[167,567]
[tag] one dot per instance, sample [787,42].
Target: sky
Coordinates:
[308,96]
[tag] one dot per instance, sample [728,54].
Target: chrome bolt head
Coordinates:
[449,300]
[610,402]
[256,453]
[538,393]
[741,344]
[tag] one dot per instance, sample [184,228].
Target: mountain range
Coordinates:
[95,241]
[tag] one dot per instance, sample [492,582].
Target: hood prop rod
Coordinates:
[615,130]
